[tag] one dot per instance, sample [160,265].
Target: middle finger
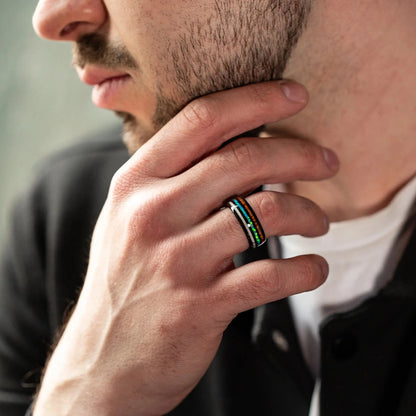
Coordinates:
[248,163]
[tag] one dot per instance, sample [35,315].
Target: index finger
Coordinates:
[207,122]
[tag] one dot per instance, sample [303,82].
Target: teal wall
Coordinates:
[43,105]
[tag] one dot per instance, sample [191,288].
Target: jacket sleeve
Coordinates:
[45,258]
[24,329]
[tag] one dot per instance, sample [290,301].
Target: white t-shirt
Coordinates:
[362,256]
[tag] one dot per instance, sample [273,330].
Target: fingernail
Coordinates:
[293,91]
[326,222]
[324,267]
[331,159]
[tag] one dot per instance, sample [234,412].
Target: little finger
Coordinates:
[265,281]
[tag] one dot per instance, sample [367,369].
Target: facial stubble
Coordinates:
[237,44]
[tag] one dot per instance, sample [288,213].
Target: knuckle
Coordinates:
[261,96]
[186,311]
[156,210]
[142,215]
[145,209]
[120,184]
[310,270]
[309,154]
[164,198]
[138,223]
[242,157]
[176,321]
[274,213]
[176,252]
[308,210]
[307,206]
[267,205]
[268,283]
[199,114]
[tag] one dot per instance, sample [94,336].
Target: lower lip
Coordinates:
[109,93]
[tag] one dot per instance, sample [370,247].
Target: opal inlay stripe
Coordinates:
[243,223]
[248,220]
[252,216]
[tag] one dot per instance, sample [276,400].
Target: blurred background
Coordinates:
[43,105]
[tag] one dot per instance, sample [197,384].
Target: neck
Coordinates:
[359,71]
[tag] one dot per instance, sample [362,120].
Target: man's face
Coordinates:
[147,59]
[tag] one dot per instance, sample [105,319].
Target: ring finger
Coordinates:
[221,236]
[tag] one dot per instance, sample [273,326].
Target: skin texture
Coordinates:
[144,330]
[130,347]
[356,59]
[178,51]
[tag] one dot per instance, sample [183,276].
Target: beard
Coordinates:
[238,44]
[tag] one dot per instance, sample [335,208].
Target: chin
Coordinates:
[134,139]
[134,134]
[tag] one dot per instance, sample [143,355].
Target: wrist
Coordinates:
[83,378]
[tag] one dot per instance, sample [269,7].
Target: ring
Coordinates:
[248,221]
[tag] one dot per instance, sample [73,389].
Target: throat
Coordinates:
[348,201]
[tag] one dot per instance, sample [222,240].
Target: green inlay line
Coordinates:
[253,228]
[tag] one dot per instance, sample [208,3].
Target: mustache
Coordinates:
[93,48]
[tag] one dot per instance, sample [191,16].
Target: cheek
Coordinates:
[150,30]
[148,27]
[141,25]
[144,36]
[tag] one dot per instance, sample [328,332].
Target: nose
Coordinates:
[68,19]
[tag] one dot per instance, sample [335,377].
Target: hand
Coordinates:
[161,287]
